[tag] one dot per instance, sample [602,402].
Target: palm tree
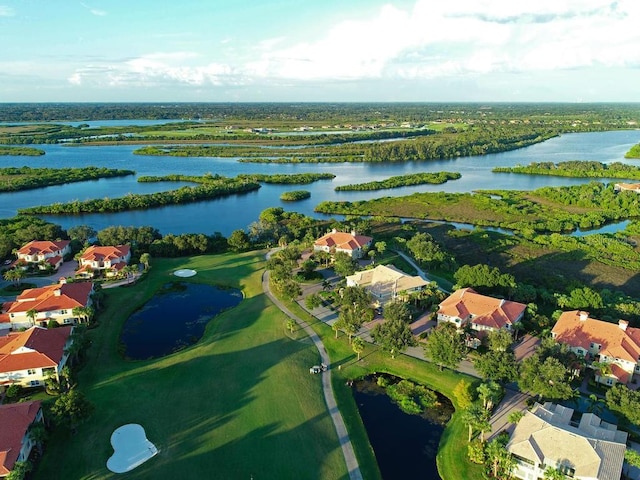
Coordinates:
[476,418]
[38,434]
[145,259]
[554,474]
[32,314]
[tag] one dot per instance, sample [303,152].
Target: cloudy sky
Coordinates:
[325,50]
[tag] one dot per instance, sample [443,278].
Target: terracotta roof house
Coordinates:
[109,259]
[386,283]
[483,313]
[629,187]
[349,243]
[43,250]
[53,302]
[546,437]
[27,357]
[15,442]
[604,342]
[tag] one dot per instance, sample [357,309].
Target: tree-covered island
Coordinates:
[20,151]
[13,179]
[576,169]
[402,181]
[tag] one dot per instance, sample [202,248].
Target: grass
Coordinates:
[452,459]
[239,403]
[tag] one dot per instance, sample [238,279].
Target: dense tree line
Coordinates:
[281,178]
[402,181]
[142,201]
[576,168]
[24,178]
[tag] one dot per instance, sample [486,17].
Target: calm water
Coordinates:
[238,211]
[175,318]
[405,445]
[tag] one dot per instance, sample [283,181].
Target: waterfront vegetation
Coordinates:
[206,191]
[13,179]
[282,178]
[20,151]
[295,195]
[577,169]
[402,181]
[545,210]
[634,152]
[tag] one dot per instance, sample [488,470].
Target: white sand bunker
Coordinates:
[184,272]
[130,448]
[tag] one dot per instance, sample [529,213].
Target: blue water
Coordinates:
[238,211]
[175,318]
[405,445]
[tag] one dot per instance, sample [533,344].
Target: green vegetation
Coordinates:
[576,168]
[24,178]
[295,195]
[549,209]
[282,178]
[242,373]
[16,231]
[402,181]
[207,191]
[634,152]
[22,151]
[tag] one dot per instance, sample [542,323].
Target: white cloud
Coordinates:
[94,11]
[427,41]
[6,11]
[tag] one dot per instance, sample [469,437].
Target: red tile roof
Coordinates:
[45,299]
[614,341]
[15,419]
[487,311]
[343,241]
[100,254]
[36,347]
[42,247]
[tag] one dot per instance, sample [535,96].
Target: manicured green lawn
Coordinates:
[238,404]
[453,462]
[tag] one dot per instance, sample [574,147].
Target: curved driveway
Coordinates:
[345,443]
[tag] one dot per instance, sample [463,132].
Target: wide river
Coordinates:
[238,211]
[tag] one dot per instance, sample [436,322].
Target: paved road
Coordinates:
[345,443]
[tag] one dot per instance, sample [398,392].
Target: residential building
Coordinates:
[628,187]
[349,243]
[547,436]
[37,251]
[603,342]
[386,283]
[27,358]
[467,307]
[15,441]
[110,260]
[53,302]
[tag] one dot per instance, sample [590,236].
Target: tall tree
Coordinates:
[445,346]
[489,392]
[548,378]
[71,409]
[357,344]
[343,264]
[476,418]
[394,336]
[32,314]
[145,259]
[500,366]
[463,394]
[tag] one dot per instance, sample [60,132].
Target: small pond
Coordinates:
[174,319]
[405,445]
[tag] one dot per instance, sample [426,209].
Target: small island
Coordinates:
[284,179]
[402,181]
[223,187]
[295,195]
[21,151]
[13,179]
[576,169]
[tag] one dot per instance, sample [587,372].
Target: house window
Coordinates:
[35,383]
[31,371]
[609,381]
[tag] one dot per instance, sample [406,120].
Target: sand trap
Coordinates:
[130,448]
[184,273]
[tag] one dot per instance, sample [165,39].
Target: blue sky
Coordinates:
[325,50]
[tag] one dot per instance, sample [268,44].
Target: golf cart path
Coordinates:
[338,422]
